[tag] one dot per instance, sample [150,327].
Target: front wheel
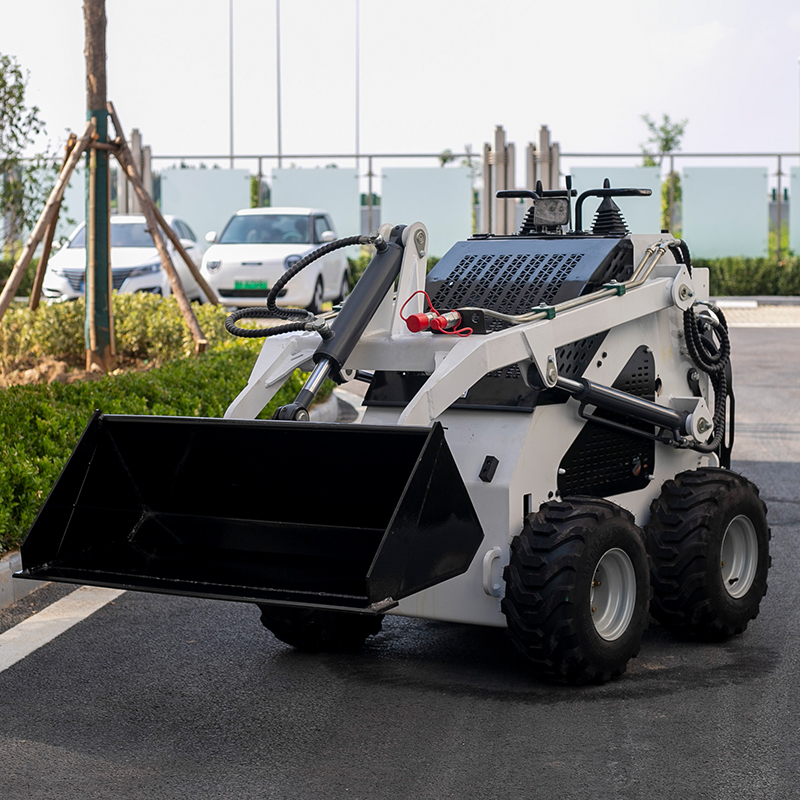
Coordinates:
[577,590]
[317,630]
[315,306]
[709,543]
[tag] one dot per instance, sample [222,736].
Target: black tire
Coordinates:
[315,306]
[695,587]
[550,602]
[319,630]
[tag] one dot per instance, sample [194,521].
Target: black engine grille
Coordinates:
[513,275]
[603,461]
[506,283]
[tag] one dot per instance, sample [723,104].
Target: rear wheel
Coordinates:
[577,590]
[709,543]
[316,630]
[315,306]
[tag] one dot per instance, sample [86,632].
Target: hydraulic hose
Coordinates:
[713,361]
[294,313]
[304,320]
[311,323]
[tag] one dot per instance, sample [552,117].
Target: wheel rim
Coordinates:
[739,556]
[318,296]
[613,594]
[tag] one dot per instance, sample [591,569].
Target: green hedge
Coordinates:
[753,276]
[40,425]
[146,326]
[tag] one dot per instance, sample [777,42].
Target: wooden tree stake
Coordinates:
[49,213]
[41,268]
[210,294]
[149,210]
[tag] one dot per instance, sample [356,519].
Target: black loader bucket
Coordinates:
[350,517]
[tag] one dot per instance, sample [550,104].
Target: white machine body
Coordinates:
[528,446]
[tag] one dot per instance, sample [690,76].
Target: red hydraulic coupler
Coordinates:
[421,322]
[443,322]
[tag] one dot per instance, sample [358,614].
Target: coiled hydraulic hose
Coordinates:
[305,320]
[711,360]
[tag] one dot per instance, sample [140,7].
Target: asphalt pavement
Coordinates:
[170,697]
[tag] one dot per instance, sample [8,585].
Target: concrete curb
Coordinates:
[772,300]
[12,589]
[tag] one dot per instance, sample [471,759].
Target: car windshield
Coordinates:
[123,234]
[267,229]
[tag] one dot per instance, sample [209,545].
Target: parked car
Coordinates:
[135,263]
[259,244]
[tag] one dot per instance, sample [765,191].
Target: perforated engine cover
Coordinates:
[512,275]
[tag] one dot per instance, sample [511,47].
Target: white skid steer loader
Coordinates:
[545,447]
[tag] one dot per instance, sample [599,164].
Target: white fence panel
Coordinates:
[73,206]
[725,211]
[439,197]
[643,214]
[334,190]
[794,209]
[204,198]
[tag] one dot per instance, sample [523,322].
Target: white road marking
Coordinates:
[43,627]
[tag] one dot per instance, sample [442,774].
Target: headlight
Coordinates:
[213,266]
[291,261]
[146,269]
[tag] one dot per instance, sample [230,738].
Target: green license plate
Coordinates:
[250,285]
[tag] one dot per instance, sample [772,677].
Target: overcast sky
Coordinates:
[434,74]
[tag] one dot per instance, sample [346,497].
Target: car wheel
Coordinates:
[344,289]
[315,306]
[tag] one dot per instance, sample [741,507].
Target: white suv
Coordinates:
[135,263]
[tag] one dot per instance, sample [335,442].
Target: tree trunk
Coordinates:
[99,318]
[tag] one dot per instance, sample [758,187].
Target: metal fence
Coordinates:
[778,199]
[368,165]
[544,160]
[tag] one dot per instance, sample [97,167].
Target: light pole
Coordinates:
[358,85]
[230,73]
[278,72]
